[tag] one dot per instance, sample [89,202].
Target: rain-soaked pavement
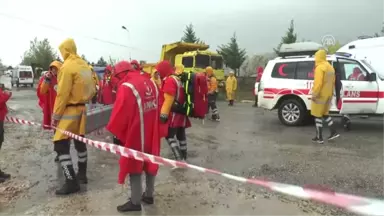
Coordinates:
[247,142]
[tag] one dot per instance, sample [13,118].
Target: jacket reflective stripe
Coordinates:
[177,98]
[141,112]
[67,117]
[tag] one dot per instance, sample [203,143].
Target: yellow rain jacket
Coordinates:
[230,87]
[157,79]
[212,81]
[75,88]
[323,86]
[95,79]
[44,85]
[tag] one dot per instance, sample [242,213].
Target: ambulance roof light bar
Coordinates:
[299,49]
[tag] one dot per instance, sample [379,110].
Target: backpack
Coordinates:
[195,90]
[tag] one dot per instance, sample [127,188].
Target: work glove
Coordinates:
[163,118]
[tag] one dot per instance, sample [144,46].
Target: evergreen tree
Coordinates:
[290,37]
[233,56]
[382,29]
[190,35]
[101,62]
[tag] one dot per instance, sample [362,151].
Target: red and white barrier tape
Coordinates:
[361,205]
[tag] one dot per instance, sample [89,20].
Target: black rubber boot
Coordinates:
[4,176]
[128,207]
[183,154]
[82,174]
[319,131]
[71,184]
[176,152]
[147,200]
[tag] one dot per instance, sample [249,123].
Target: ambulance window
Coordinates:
[187,61]
[352,70]
[284,70]
[25,74]
[304,70]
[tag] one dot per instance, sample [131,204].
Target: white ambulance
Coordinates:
[287,82]
[22,75]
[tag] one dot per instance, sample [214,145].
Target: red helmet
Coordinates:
[164,68]
[121,68]
[135,64]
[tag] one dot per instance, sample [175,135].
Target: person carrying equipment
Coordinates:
[174,96]
[75,88]
[322,95]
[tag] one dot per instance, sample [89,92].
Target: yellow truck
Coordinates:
[194,57]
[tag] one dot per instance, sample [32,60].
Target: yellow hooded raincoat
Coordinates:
[323,86]
[95,78]
[44,85]
[231,86]
[75,89]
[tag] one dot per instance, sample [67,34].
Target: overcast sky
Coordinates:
[259,24]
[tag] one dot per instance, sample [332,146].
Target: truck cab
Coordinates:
[194,57]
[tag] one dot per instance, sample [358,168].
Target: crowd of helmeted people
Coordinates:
[142,114]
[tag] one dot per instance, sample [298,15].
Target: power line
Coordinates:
[62,30]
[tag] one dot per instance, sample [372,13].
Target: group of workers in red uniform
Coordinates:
[141,116]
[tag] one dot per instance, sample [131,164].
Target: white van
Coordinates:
[22,75]
[287,82]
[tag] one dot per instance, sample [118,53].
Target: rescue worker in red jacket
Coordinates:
[117,79]
[259,74]
[4,97]
[106,96]
[357,75]
[46,92]
[173,98]
[135,121]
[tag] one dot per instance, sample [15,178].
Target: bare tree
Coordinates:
[252,63]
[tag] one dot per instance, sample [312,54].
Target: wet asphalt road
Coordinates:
[247,142]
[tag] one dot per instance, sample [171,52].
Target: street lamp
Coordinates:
[129,39]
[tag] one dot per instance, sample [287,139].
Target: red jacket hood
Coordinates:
[164,68]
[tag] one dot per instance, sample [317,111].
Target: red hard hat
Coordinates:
[135,64]
[123,66]
[164,68]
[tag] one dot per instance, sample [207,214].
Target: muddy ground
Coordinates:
[248,142]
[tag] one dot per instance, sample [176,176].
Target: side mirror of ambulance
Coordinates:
[372,77]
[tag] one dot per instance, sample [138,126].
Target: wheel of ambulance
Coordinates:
[292,112]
